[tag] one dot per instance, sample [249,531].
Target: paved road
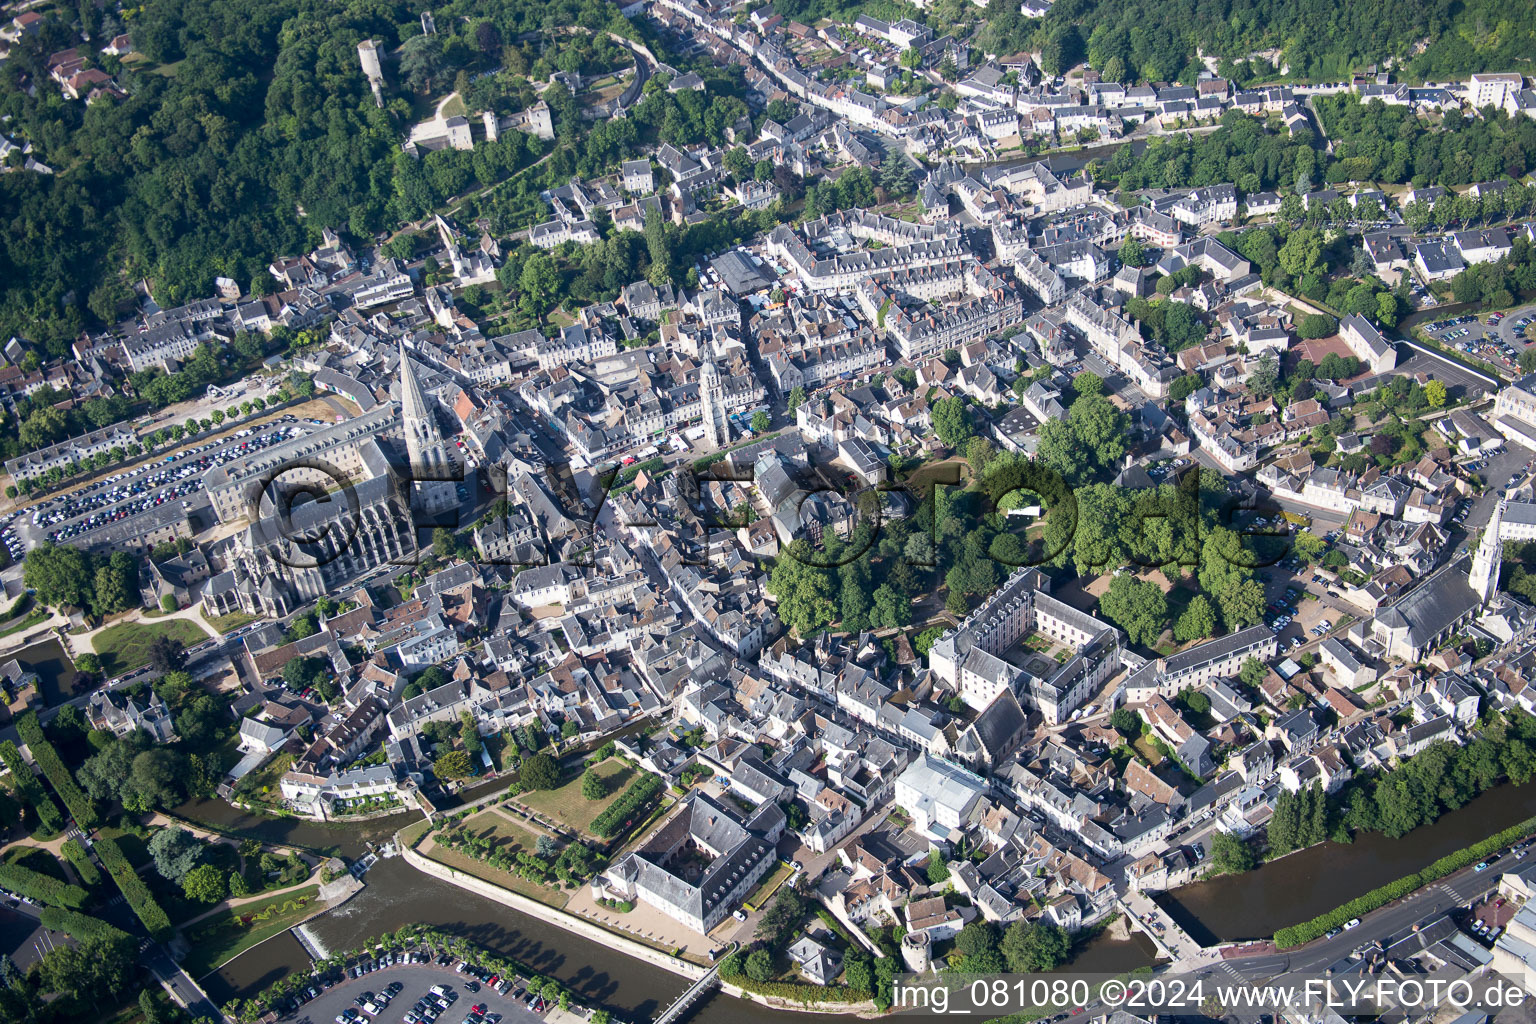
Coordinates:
[181,986]
[1389,923]
[417,979]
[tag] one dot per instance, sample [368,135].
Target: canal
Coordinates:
[56,674]
[398,894]
[1313,881]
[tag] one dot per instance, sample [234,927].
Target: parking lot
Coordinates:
[408,991]
[1498,338]
[151,484]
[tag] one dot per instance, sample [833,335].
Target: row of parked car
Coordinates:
[164,480]
[371,1003]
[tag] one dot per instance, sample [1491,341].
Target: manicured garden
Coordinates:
[567,804]
[224,936]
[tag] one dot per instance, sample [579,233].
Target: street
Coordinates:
[1389,923]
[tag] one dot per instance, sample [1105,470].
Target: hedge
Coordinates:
[800,992]
[81,861]
[134,890]
[1306,931]
[640,792]
[41,887]
[80,806]
[79,926]
[49,817]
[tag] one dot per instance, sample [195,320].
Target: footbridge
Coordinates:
[696,992]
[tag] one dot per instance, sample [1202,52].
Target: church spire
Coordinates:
[413,403]
[1484,576]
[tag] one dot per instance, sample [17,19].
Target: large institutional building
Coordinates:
[700,864]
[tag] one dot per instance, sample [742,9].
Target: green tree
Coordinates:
[1029,947]
[1302,253]
[540,772]
[782,920]
[938,871]
[1198,620]
[455,764]
[206,883]
[796,398]
[761,422]
[97,971]
[801,588]
[60,576]
[174,852]
[1264,378]
[1185,386]
[1434,394]
[1309,546]
[659,244]
[1132,253]
[1230,855]
[592,786]
[538,284]
[892,609]
[1136,606]
[951,422]
[759,965]
[1252,672]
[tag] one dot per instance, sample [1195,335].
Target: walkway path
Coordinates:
[241,901]
[207,835]
[80,643]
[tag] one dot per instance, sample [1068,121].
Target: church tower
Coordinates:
[431,465]
[712,402]
[1484,576]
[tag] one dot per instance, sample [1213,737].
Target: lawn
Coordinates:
[411,833]
[229,623]
[1150,754]
[777,877]
[125,646]
[555,897]
[566,803]
[492,825]
[225,936]
[33,618]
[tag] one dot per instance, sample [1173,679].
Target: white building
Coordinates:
[939,795]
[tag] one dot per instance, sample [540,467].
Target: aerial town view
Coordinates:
[709,512]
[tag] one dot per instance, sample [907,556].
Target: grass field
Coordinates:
[1148,752]
[411,833]
[489,824]
[496,876]
[125,646]
[225,936]
[566,803]
[227,623]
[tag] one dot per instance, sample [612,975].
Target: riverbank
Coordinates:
[1305,884]
[622,943]
[559,918]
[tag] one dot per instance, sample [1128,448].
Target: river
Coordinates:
[1313,881]
[398,894]
[1252,905]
